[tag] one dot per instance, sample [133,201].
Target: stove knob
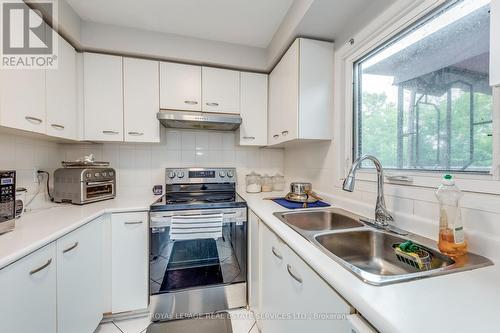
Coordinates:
[230,174]
[180,174]
[171,175]
[222,174]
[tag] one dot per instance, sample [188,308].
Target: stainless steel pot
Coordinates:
[301,192]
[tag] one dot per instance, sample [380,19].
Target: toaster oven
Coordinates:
[84,185]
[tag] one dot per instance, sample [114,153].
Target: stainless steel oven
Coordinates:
[202,275]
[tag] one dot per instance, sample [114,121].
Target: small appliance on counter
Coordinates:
[84,182]
[7,201]
[20,201]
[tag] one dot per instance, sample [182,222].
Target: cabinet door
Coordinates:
[79,279]
[28,293]
[272,288]
[141,100]
[180,87]
[103,97]
[129,262]
[61,94]
[274,117]
[254,262]
[289,95]
[221,90]
[494,44]
[309,295]
[22,99]
[253,108]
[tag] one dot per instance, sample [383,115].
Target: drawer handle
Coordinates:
[276,254]
[295,277]
[136,133]
[34,120]
[191,102]
[110,132]
[213,104]
[133,222]
[57,126]
[41,268]
[249,137]
[284,133]
[72,247]
[276,136]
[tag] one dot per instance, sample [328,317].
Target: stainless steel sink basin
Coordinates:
[320,220]
[368,252]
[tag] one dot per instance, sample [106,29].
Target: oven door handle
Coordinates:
[100,183]
[157,218]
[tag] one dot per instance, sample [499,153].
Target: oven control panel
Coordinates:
[200,175]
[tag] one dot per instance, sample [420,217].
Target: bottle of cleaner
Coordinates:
[451,231]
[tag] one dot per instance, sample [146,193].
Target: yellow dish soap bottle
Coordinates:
[451,231]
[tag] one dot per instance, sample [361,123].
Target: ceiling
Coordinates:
[245,22]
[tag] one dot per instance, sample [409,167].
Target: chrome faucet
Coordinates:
[382,216]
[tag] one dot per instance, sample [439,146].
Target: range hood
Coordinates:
[199,120]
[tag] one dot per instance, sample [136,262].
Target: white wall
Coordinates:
[140,166]
[23,154]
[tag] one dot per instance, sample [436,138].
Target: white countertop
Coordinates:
[42,226]
[460,302]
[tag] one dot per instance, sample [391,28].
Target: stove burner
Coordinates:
[220,199]
[179,200]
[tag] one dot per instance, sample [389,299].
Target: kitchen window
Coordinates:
[422,100]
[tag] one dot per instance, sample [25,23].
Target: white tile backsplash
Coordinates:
[140,166]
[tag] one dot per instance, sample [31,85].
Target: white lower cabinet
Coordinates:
[28,293]
[254,262]
[129,261]
[79,279]
[293,297]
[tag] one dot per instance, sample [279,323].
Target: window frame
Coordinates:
[395,21]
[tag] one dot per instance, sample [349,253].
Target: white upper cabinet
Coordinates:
[22,99]
[253,108]
[495,43]
[80,298]
[301,93]
[103,97]
[180,87]
[141,100]
[28,293]
[221,90]
[61,94]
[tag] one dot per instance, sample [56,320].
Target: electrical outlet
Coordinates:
[35,175]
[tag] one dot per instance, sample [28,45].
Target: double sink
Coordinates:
[369,252]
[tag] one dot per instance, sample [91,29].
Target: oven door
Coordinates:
[98,190]
[186,264]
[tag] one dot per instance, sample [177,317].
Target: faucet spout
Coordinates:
[382,215]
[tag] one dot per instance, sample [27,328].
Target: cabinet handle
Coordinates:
[191,102]
[213,104]
[41,268]
[36,121]
[295,277]
[276,254]
[72,247]
[249,137]
[57,126]
[133,222]
[284,133]
[275,136]
[135,133]
[110,132]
